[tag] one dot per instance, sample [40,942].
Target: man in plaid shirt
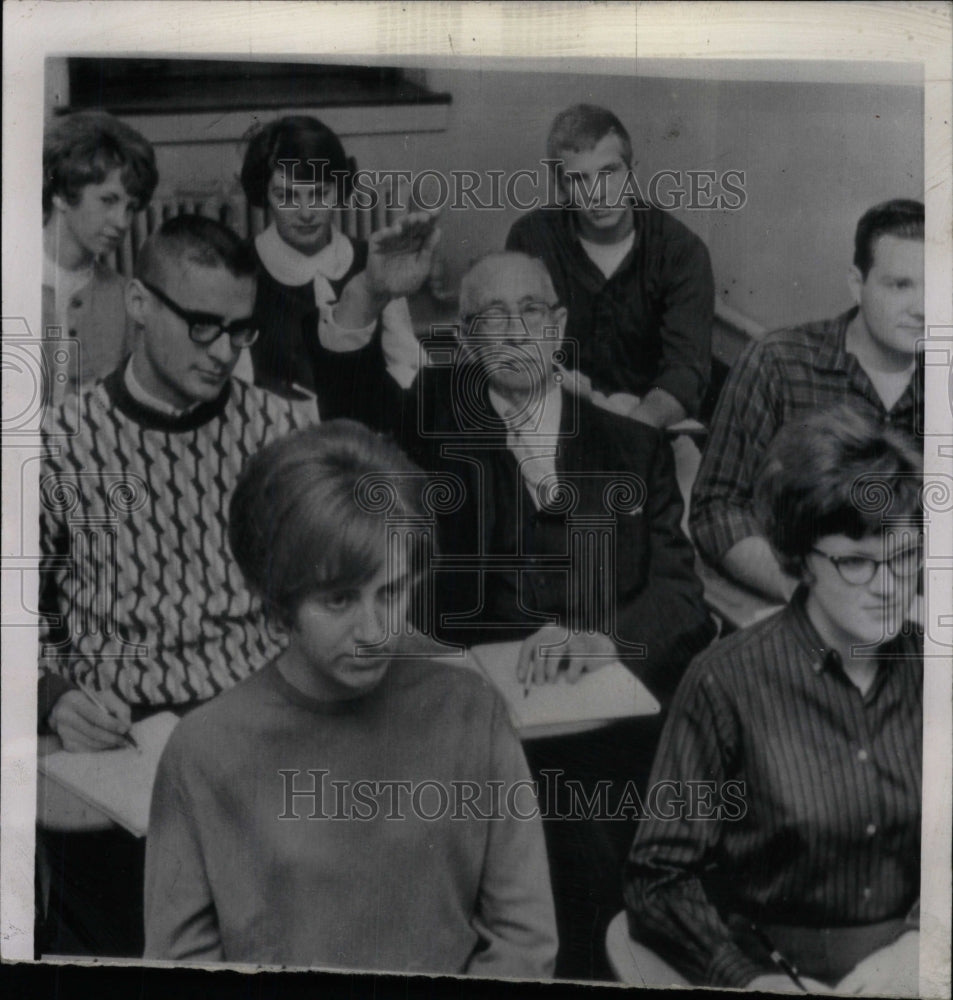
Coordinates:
[867,357]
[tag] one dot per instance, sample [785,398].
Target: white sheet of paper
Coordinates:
[610,693]
[119,782]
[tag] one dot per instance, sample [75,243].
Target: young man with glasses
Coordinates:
[815,716]
[146,608]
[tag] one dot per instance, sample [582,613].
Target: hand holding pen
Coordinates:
[788,979]
[551,654]
[86,721]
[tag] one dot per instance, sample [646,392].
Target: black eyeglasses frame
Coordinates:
[240,332]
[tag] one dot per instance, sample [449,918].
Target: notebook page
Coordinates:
[118,782]
[611,692]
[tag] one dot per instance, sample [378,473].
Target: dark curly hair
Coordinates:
[836,472]
[901,217]
[82,148]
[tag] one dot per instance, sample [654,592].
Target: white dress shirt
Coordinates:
[531,435]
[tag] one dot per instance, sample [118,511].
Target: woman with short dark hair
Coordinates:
[806,731]
[333,321]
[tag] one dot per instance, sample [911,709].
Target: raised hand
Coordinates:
[399,257]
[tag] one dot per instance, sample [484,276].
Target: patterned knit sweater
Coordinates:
[143,593]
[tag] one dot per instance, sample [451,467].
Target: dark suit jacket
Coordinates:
[610,556]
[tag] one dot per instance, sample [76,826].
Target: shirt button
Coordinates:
[862,755]
[871,829]
[867,892]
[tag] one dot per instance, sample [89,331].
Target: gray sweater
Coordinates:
[243,867]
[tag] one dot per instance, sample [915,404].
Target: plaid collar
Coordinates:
[832,351]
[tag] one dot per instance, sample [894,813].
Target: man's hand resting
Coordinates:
[81,725]
[582,653]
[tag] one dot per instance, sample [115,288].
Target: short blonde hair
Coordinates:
[301,518]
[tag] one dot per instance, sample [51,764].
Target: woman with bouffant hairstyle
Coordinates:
[312,816]
[806,728]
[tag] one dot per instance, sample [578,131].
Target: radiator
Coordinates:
[233,210]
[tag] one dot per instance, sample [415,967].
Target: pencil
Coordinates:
[777,958]
[128,737]
[528,680]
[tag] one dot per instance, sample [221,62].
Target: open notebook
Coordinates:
[118,782]
[610,693]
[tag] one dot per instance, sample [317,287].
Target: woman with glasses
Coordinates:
[332,314]
[783,841]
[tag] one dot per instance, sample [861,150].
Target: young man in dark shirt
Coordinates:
[637,284]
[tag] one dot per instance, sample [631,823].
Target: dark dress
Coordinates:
[289,357]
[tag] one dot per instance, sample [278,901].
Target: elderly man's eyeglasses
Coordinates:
[495,319]
[859,570]
[205,328]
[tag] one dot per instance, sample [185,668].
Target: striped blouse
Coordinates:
[788,797]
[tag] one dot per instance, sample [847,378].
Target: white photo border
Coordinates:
[672,38]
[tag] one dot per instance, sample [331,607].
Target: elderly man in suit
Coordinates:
[567,537]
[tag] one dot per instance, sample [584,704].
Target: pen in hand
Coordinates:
[528,681]
[777,958]
[127,736]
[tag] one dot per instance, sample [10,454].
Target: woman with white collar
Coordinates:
[333,322]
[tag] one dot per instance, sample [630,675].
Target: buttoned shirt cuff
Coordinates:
[731,968]
[718,530]
[343,338]
[50,688]
[398,342]
[685,385]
